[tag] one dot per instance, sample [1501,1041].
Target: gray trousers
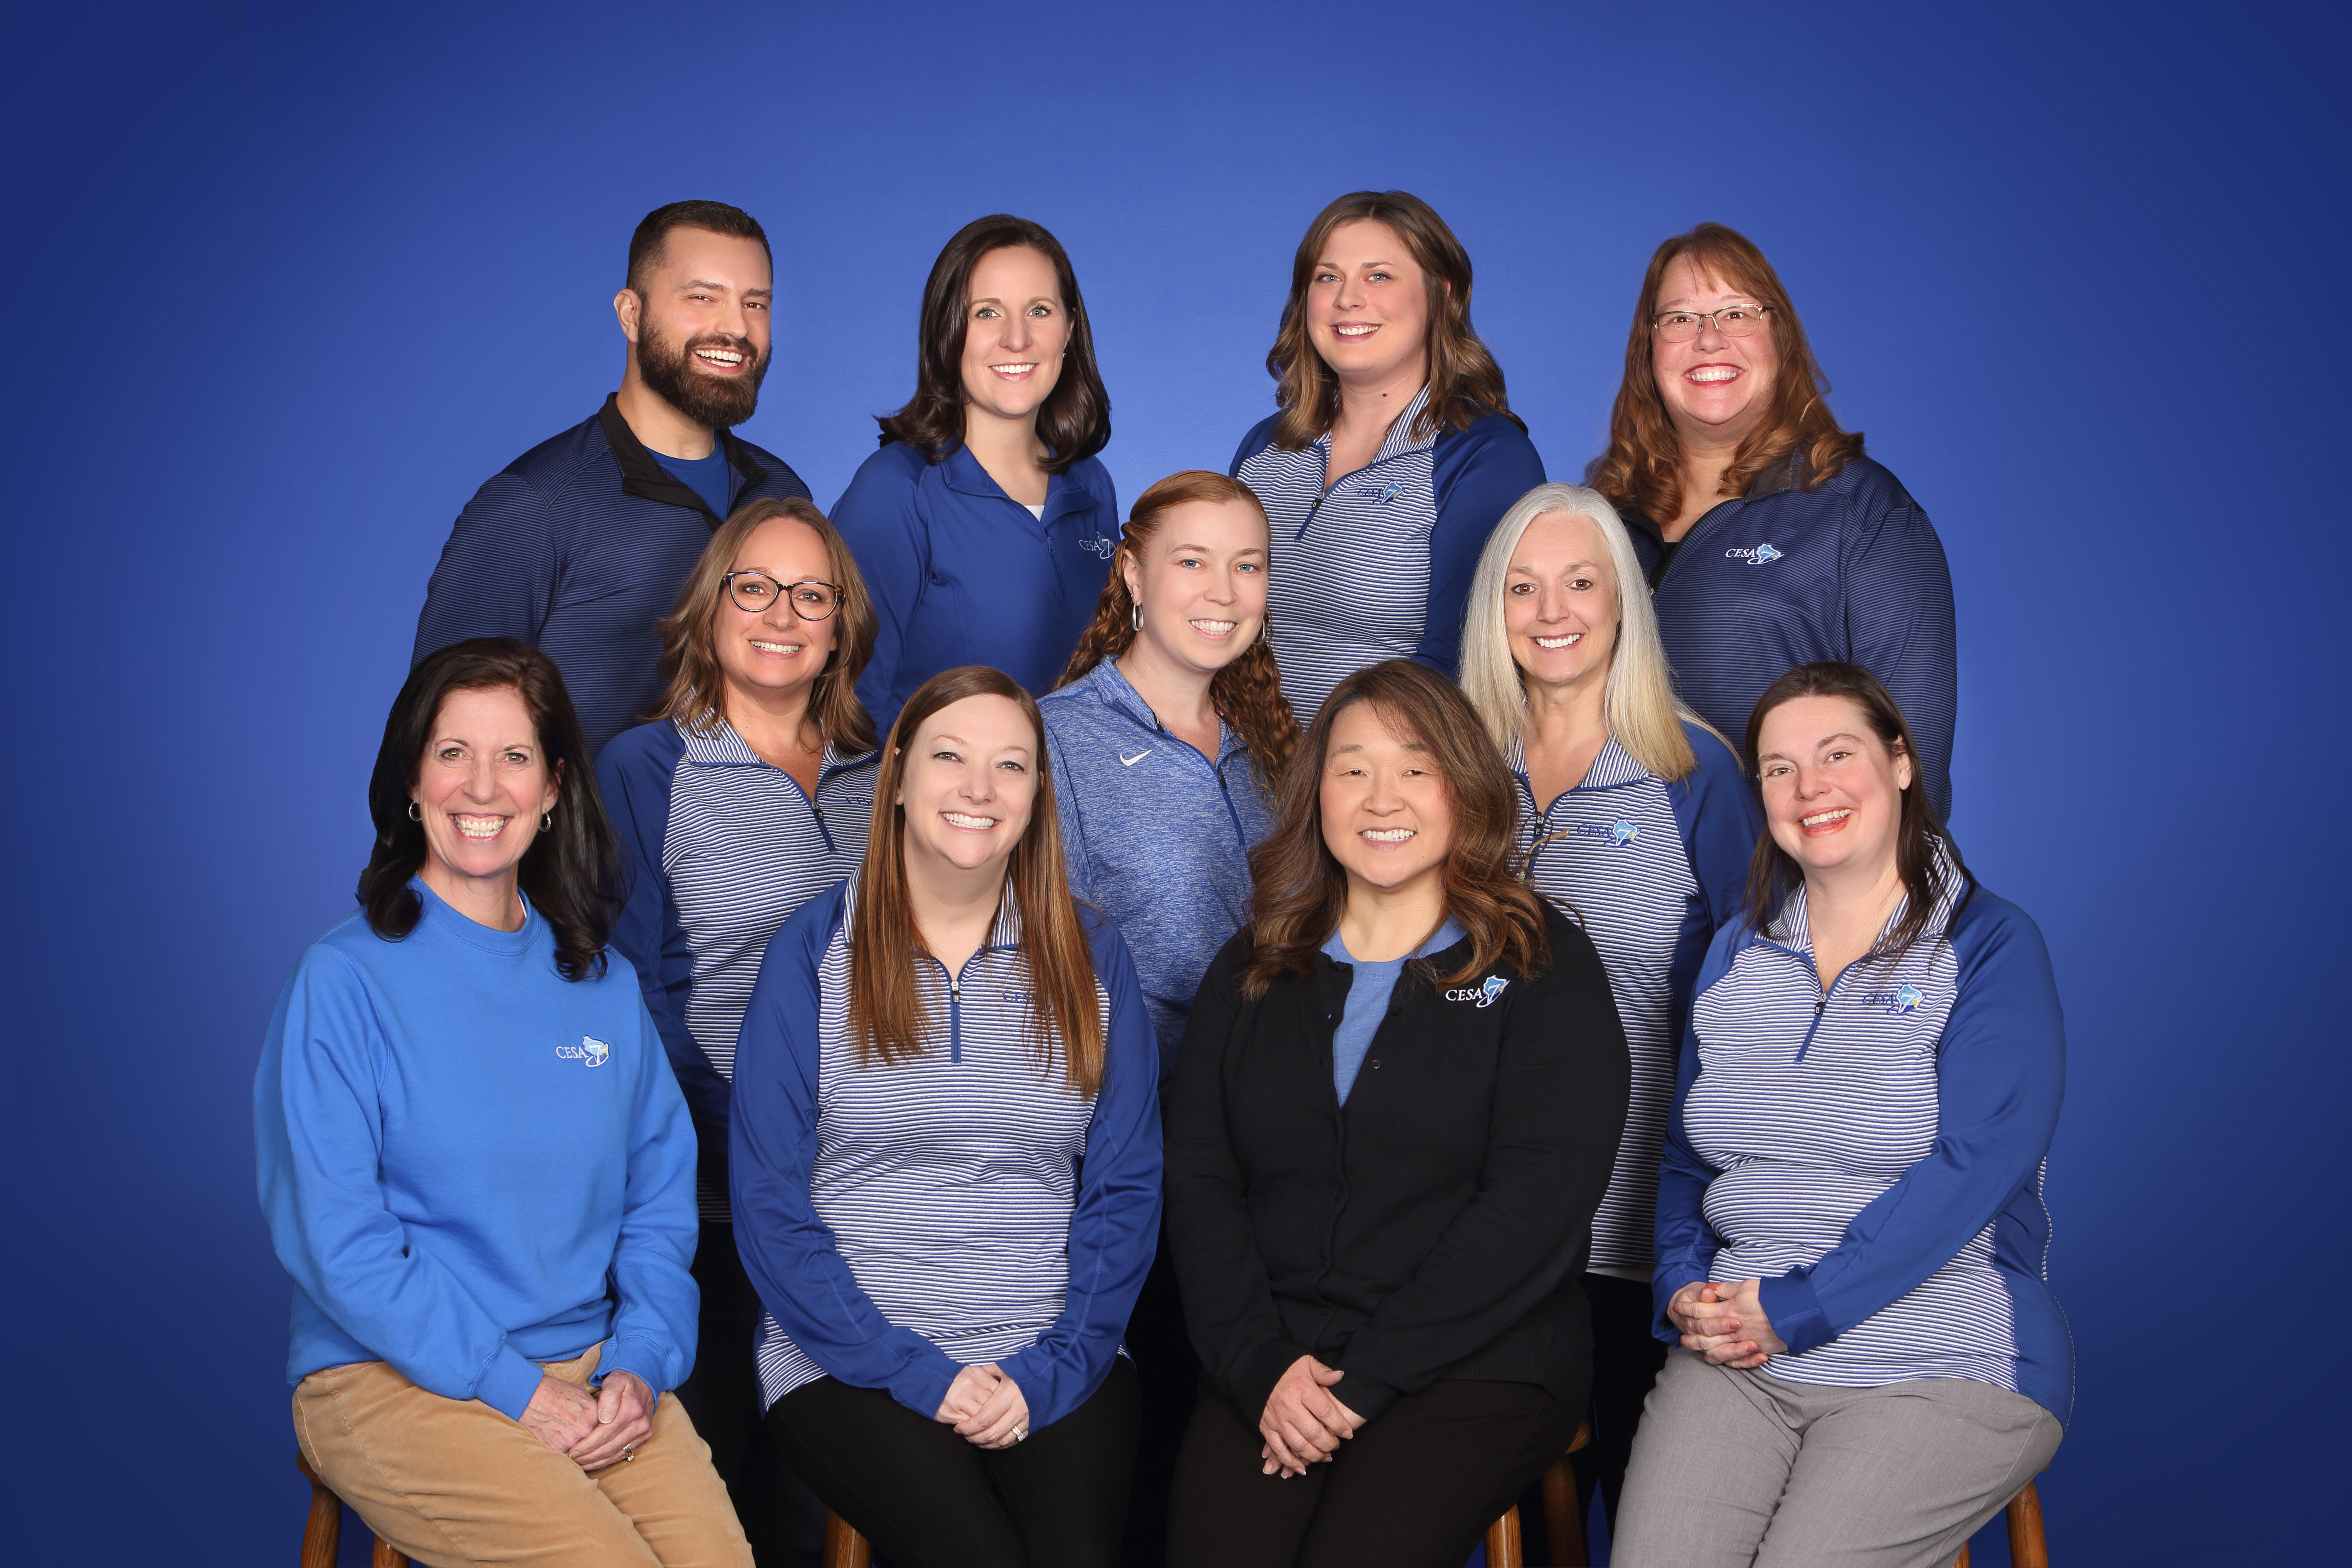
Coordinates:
[1735,1469]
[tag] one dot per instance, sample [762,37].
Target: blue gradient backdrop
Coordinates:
[288,281]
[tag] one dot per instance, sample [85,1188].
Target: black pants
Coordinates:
[1415,1488]
[782,1518]
[927,1498]
[1625,1361]
[1168,1370]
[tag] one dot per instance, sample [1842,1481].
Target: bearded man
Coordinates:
[579,546]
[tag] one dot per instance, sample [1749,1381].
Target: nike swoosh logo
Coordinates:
[1138,756]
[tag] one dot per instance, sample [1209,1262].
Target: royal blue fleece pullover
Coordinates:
[471,1165]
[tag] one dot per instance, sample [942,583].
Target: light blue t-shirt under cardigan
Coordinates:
[471,1165]
[1368,1001]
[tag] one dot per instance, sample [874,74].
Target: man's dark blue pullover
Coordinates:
[578,547]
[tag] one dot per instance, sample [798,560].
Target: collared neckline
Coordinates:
[719,745]
[464,928]
[1004,933]
[1791,929]
[1064,492]
[1613,765]
[641,473]
[1399,441]
[1113,689]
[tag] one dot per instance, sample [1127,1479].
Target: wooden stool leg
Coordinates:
[387,1555]
[2026,1547]
[1962,1560]
[844,1547]
[322,1532]
[1563,1520]
[1504,1548]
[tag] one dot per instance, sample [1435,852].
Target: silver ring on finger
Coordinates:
[1020,1433]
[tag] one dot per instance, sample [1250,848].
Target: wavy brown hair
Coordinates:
[1073,420]
[570,873]
[1302,888]
[886,1013]
[1642,470]
[1247,693]
[1464,383]
[697,694]
[1920,840]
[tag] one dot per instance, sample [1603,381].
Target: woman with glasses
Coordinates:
[1393,451]
[749,795]
[1770,538]
[1635,820]
[984,522]
[946,1163]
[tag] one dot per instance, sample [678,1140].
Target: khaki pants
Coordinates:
[453,1482]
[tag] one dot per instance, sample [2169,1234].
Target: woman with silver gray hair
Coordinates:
[1635,818]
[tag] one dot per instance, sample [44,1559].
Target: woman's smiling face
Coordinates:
[1716,387]
[970,783]
[1387,817]
[1832,789]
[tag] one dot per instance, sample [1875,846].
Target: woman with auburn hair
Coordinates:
[1396,1106]
[1799,548]
[984,521]
[477,1166]
[1853,1250]
[1166,733]
[1394,451]
[1636,820]
[749,795]
[945,1154]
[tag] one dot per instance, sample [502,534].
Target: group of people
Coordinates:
[1222,1036]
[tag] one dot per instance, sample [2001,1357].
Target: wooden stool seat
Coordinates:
[322,1534]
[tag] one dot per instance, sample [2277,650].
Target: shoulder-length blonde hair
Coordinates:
[1643,463]
[697,695]
[1302,888]
[1464,382]
[886,1013]
[1640,695]
[1247,693]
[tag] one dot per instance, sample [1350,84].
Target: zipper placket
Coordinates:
[1821,1006]
[1315,510]
[1217,766]
[1683,550]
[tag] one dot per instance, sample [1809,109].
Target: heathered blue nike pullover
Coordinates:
[470,1164]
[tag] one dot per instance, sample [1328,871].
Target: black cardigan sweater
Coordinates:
[1433,1227]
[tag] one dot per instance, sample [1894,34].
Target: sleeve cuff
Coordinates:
[921,1387]
[1256,1374]
[508,1385]
[1365,1395]
[1796,1313]
[634,1356]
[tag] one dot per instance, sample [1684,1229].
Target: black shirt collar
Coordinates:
[642,475]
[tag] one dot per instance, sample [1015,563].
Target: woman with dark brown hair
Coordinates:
[1396,1107]
[984,521]
[1394,450]
[945,1154]
[1799,548]
[748,795]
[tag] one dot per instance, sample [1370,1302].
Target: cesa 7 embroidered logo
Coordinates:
[1616,835]
[594,1052]
[1096,545]
[1762,555]
[1482,994]
[1380,494]
[1897,1002]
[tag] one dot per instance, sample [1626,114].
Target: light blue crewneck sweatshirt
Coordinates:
[1368,1000]
[471,1165]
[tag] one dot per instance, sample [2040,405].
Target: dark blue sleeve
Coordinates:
[1900,627]
[634,771]
[497,576]
[1479,475]
[1720,818]
[879,517]
[1114,1226]
[787,1250]
[1685,1244]
[2001,1071]
[1260,434]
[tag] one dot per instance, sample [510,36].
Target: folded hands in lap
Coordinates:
[1725,1323]
[985,1407]
[1304,1423]
[594,1426]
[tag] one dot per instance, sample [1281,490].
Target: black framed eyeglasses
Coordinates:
[811,599]
[1731,320]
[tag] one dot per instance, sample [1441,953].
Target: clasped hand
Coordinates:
[1726,1323]
[1304,1422]
[596,1427]
[985,1407]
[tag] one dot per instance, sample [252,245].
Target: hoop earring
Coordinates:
[546,821]
[414,814]
[1139,617]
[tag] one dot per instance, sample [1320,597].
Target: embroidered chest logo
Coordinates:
[1126,760]
[1482,994]
[1380,494]
[1616,835]
[1762,555]
[591,1050]
[1901,1000]
[1096,545]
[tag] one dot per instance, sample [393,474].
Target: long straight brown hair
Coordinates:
[1774,873]
[697,694]
[1642,470]
[1302,888]
[1247,693]
[1464,382]
[886,1011]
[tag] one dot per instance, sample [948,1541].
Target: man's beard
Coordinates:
[705,399]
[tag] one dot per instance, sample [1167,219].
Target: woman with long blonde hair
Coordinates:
[945,1157]
[1635,820]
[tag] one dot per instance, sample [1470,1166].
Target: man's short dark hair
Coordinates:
[645,245]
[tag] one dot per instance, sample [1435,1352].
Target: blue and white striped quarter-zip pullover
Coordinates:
[1377,566]
[1652,871]
[905,1220]
[1875,1155]
[1783,576]
[1156,835]
[722,847]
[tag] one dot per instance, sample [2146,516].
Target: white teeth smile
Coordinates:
[774,647]
[1711,372]
[1386,835]
[477,827]
[959,819]
[1356,329]
[718,356]
[1568,641]
[1825,818]
[1015,369]
[1215,629]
